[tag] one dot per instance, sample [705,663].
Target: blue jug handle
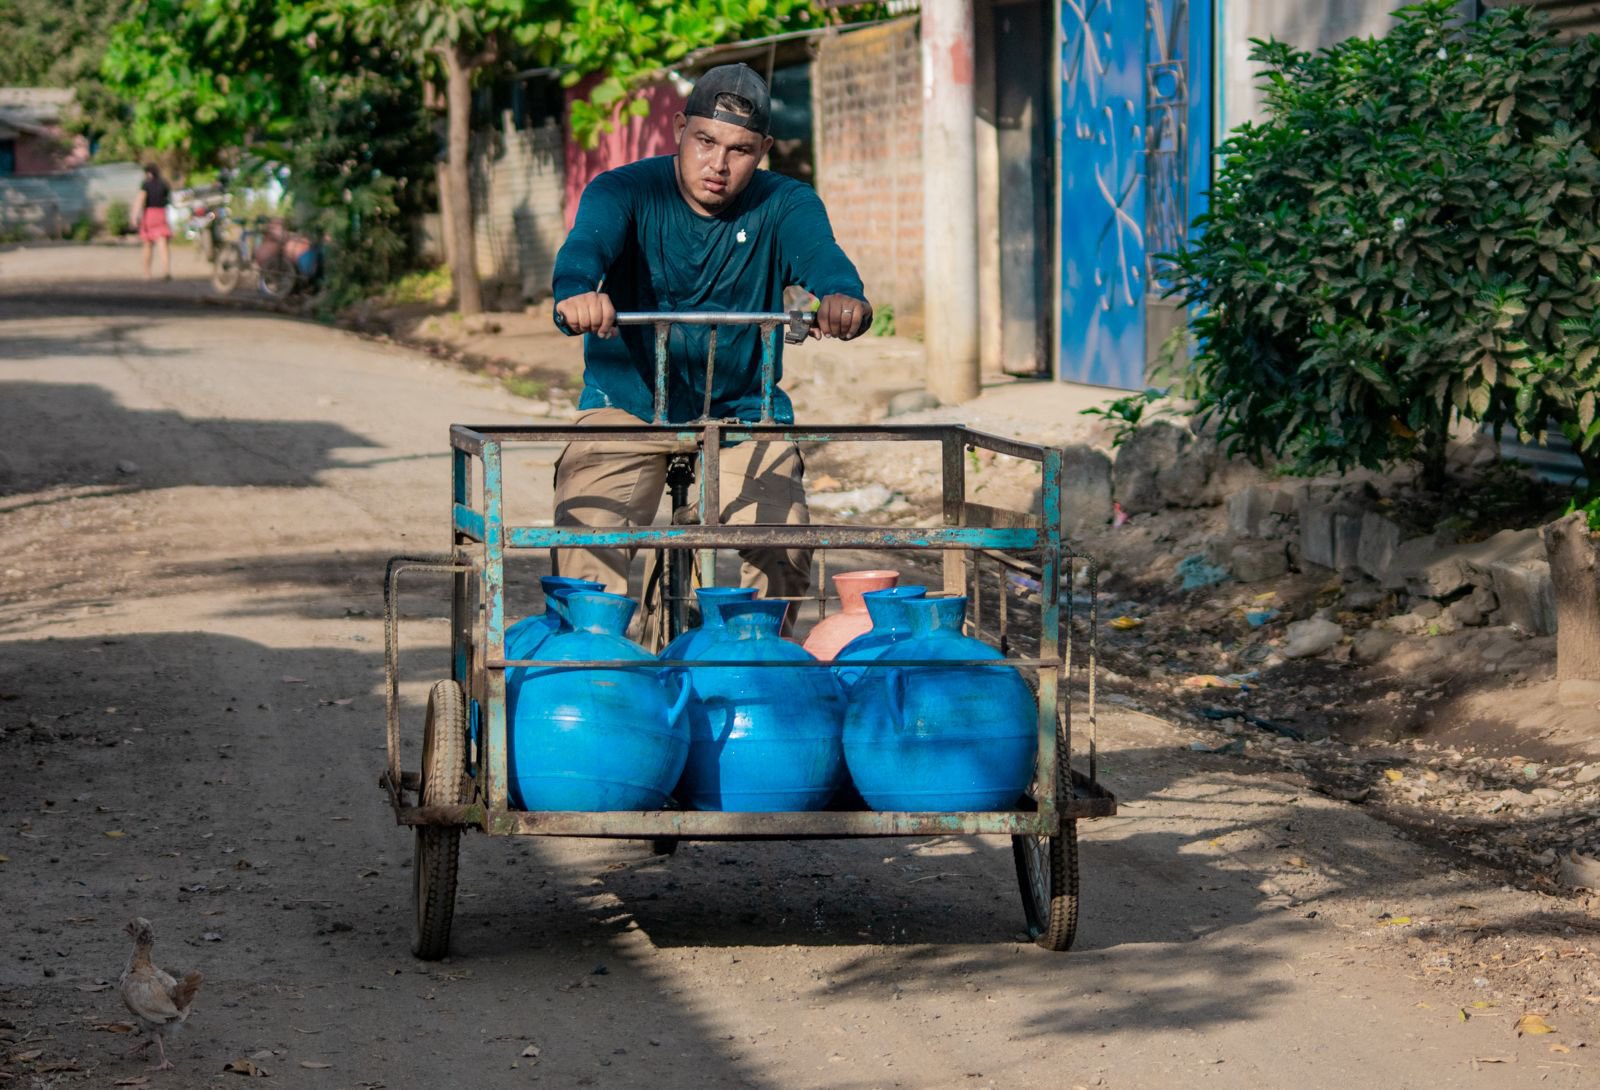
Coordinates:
[848,675]
[895,688]
[685,690]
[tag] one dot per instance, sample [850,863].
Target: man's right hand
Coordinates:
[590,312]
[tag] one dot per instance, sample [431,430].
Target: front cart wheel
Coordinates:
[438,847]
[1047,871]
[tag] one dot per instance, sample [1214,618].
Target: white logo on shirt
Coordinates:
[741,236]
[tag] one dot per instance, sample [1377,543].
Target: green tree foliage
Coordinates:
[1412,234]
[356,177]
[458,38]
[204,77]
[633,41]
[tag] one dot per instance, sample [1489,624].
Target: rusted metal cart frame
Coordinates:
[973,534]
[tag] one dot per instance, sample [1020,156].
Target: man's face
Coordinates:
[716,160]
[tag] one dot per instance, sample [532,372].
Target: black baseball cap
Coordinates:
[732,79]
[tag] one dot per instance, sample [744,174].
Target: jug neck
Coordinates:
[712,600]
[887,608]
[937,616]
[851,585]
[556,589]
[598,612]
[760,618]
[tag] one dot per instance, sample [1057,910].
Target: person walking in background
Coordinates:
[150,213]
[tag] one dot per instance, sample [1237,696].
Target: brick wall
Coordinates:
[517,180]
[868,122]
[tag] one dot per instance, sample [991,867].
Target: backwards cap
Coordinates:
[732,79]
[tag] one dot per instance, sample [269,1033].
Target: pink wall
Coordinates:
[640,138]
[39,155]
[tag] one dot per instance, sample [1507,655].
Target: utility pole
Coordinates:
[949,201]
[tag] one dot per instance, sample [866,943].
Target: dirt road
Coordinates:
[195,506]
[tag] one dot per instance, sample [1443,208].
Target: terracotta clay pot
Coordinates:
[833,632]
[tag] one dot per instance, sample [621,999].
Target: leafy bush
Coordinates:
[82,230]
[117,223]
[359,163]
[1412,234]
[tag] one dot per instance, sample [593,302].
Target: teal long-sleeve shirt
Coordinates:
[637,239]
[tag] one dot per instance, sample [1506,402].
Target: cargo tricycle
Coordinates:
[1011,564]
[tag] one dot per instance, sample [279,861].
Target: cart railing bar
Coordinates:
[391,642]
[865,666]
[471,437]
[747,536]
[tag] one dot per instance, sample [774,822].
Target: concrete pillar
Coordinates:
[950,201]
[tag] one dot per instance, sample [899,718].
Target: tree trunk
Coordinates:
[1574,555]
[464,254]
[447,229]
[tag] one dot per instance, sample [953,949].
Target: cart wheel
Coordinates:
[438,847]
[1047,871]
[226,268]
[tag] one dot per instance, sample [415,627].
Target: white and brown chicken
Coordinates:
[158,1000]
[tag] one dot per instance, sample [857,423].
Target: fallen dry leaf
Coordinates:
[1297,861]
[1393,775]
[5,859]
[115,834]
[1533,1023]
[54,1066]
[97,986]
[531,1052]
[25,1057]
[315,1065]
[1395,921]
[1559,1048]
[246,1067]
[114,1027]
[134,1080]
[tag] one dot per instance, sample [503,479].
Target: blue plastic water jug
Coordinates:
[595,738]
[941,738]
[891,623]
[761,738]
[686,644]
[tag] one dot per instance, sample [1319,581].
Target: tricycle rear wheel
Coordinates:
[438,847]
[1047,871]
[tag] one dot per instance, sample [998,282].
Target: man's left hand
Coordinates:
[843,317]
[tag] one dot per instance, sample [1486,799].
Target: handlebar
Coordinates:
[799,322]
[796,326]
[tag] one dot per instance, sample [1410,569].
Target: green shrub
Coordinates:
[117,223]
[1411,235]
[82,230]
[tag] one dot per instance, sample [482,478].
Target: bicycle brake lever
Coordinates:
[799,326]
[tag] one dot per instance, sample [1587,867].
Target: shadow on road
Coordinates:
[75,435]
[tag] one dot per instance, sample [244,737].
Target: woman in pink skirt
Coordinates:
[150,213]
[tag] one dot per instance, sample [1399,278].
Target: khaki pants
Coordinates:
[603,484]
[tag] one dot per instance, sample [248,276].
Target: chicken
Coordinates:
[157,999]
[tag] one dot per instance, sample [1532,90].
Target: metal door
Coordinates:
[1135,139]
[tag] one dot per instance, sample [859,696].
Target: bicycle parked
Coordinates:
[283,262]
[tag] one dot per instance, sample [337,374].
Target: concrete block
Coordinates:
[1318,542]
[1346,538]
[1255,561]
[1086,490]
[1258,511]
[1527,597]
[1380,537]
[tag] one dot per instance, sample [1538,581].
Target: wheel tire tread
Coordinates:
[435,863]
